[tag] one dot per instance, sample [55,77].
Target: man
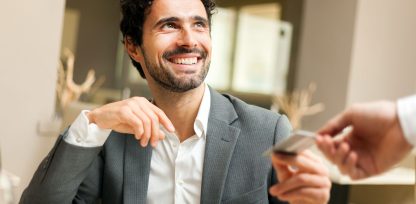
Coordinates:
[382,134]
[204,147]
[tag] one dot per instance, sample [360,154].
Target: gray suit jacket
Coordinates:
[234,169]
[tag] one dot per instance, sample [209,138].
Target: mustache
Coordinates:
[183,50]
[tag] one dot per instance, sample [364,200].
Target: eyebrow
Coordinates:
[200,18]
[166,20]
[176,19]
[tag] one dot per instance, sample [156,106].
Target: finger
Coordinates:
[306,195]
[162,135]
[302,162]
[337,124]
[126,128]
[359,173]
[154,120]
[341,155]
[163,119]
[136,104]
[352,167]
[147,127]
[327,147]
[350,164]
[312,156]
[128,117]
[299,181]
[282,171]
[142,117]
[338,142]
[138,127]
[322,144]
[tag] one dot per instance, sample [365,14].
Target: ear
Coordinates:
[133,50]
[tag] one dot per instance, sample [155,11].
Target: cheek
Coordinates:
[163,44]
[206,43]
[159,42]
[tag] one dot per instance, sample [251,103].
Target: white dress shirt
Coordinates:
[175,168]
[406,109]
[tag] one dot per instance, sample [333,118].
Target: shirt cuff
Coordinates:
[406,110]
[83,134]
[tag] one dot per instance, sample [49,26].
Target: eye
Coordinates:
[169,26]
[200,24]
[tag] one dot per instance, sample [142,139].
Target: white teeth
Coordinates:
[187,61]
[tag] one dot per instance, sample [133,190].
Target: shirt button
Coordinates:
[180,182]
[175,145]
[78,139]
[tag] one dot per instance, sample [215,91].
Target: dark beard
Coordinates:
[166,78]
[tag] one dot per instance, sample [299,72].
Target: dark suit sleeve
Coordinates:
[283,129]
[65,176]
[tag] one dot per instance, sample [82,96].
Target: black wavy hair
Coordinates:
[134,13]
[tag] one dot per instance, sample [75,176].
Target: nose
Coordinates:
[187,38]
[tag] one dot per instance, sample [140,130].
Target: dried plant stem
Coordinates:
[296,105]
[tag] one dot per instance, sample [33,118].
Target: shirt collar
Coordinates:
[201,121]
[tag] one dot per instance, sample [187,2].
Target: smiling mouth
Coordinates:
[184,61]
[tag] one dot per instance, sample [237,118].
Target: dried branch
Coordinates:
[67,90]
[296,105]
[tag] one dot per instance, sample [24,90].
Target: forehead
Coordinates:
[181,9]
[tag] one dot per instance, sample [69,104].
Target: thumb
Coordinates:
[336,124]
[282,170]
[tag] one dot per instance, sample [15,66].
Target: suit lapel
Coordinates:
[136,171]
[221,140]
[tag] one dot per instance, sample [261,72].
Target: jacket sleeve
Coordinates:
[282,131]
[68,174]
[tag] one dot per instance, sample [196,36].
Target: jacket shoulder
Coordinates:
[244,109]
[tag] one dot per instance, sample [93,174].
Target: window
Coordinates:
[251,49]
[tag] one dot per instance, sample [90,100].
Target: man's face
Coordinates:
[176,45]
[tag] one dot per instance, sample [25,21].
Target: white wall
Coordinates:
[30,36]
[325,54]
[384,54]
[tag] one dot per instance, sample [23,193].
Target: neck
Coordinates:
[181,108]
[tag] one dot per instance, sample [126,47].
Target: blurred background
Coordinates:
[350,51]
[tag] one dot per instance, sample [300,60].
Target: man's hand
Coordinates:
[303,179]
[374,144]
[134,116]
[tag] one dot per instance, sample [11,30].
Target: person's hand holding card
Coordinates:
[303,178]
